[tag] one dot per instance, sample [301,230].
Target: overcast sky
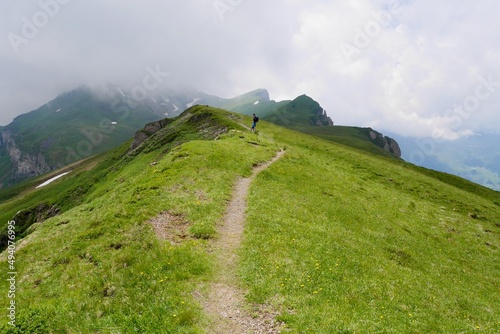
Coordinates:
[399,66]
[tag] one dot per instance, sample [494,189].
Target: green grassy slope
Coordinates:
[337,240]
[75,125]
[357,243]
[98,267]
[305,115]
[302,111]
[346,135]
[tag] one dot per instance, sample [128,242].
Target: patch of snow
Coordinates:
[114,123]
[166,100]
[189,105]
[166,114]
[58,110]
[175,107]
[256,102]
[52,180]
[152,99]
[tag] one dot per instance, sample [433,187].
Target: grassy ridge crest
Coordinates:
[337,239]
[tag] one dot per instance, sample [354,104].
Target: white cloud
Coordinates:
[407,68]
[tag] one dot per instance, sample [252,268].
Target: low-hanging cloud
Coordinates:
[401,66]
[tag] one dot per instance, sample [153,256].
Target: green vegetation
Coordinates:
[306,115]
[346,135]
[359,243]
[98,267]
[74,126]
[302,111]
[337,240]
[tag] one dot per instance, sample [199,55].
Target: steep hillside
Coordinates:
[365,139]
[85,122]
[306,115]
[302,111]
[383,245]
[73,126]
[81,123]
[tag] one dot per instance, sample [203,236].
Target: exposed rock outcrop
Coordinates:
[323,119]
[388,144]
[393,146]
[149,129]
[197,120]
[26,218]
[24,164]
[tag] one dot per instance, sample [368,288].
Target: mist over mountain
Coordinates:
[88,121]
[475,158]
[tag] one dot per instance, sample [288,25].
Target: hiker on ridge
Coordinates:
[254,122]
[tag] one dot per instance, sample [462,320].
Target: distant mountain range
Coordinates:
[84,122]
[475,158]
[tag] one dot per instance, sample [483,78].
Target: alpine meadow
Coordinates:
[339,237]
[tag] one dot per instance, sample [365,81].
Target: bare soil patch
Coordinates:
[173,228]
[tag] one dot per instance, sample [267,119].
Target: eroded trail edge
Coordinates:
[225,300]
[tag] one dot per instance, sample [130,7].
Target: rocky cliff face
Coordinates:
[149,129]
[24,164]
[323,119]
[388,144]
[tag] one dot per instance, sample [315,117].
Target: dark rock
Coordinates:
[149,129]
[386,143]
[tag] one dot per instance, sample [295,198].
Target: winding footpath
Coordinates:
[225,300]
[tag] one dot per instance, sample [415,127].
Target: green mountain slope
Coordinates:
[336,239]
[75,125]
[81,123]
[84,122]
[365,139]
[306,115]
[302,111]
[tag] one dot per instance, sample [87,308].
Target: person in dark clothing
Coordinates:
[254,122]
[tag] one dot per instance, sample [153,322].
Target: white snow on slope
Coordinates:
[175,107]
[52,180]
[189,105]
[256,102]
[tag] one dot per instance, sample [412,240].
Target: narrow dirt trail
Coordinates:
[225,301]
